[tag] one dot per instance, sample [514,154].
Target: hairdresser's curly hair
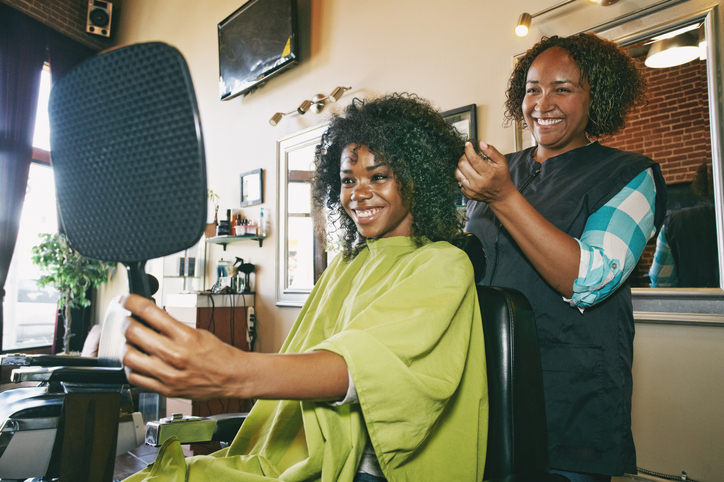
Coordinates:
[617,84]
[415,142]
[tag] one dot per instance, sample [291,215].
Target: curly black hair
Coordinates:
[422,150]
[617,84]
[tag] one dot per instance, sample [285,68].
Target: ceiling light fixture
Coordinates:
[523,25]
[316,104]
[521,29]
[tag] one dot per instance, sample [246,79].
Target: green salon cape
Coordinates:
[406,321]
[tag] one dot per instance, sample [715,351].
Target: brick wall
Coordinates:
[673,129]
[67,17]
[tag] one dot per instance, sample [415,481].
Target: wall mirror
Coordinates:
[702,305]
[699,142]
[300,251]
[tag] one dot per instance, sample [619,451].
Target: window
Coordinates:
[29,312]
[41,139]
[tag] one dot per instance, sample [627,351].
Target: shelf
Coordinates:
[224,240]
[201,300]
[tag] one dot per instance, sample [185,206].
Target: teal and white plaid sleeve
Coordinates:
[663,270]
[613,240]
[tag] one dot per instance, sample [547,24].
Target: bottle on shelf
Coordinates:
[224,226]
[251,228]
[238,228]
[263,229]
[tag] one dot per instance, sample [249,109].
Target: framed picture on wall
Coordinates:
[464,119]
[252,187]
[523,137]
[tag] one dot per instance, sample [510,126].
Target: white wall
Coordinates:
[453,52]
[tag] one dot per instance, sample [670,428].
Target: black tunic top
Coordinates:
[586,357]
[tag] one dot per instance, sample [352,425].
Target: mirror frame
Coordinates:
[700,306]
[286,296]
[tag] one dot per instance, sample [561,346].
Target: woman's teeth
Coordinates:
[548,122]
[368,212]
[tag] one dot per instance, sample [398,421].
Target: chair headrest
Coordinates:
[473,247]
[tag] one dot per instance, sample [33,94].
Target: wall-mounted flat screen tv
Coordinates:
[257,41]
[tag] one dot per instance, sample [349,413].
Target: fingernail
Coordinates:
[484,144]
[124,326]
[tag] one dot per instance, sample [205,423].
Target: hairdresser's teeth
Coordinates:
[548,122]
[367,213]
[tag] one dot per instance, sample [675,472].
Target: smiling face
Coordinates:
[556,105]
[370,195]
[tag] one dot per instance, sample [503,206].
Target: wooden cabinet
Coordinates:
[226,317]
[229,324]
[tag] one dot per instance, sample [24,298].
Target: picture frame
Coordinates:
[252,187]
[523,138]
[464,119]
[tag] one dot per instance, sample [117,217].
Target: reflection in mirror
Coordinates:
[674,130]
[701,306]
[686,247]
[300,236]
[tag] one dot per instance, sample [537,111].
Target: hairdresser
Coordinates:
[565,222]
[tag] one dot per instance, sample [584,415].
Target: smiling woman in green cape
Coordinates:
[383,373]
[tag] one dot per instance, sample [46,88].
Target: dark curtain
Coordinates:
[22,54]
[65,53]
[25,44]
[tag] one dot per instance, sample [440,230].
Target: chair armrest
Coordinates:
[88,375]
[227,425]
[530,477]
[189,429]
[22,360]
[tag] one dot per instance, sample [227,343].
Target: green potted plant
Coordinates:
[70,272]
[211,228]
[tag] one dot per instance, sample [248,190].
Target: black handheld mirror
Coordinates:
[128,157]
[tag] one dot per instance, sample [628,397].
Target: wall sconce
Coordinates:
[523,25]
[316,104]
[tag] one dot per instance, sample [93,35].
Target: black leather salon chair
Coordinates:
[517,433]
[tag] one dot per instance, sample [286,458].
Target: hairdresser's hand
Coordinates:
[552,252]
[486,180]
[177,361]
